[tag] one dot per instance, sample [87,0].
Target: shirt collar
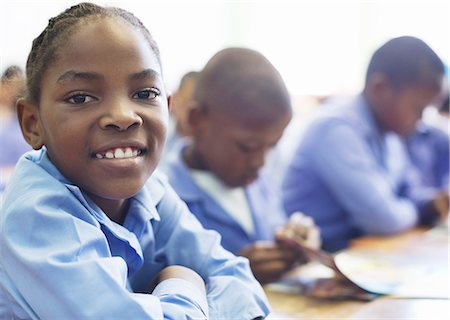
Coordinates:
[147,198]
[184,184]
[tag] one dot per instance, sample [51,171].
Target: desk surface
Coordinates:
[292,306]
[295,306]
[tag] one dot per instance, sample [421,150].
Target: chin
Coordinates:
[122,191]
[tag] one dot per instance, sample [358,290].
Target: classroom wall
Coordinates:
[320,46]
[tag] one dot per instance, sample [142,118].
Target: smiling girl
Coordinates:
[87,230]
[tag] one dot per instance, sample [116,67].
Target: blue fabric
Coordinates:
[351,177]
[12,143]
[265,207]
[428,148]
[61,257]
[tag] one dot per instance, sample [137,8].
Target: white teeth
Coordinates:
[109,155]
[128,153]
[119,154]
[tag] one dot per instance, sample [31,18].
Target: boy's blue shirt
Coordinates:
[351,177]
[62,257]
[265,206]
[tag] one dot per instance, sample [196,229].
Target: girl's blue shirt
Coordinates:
[62,257]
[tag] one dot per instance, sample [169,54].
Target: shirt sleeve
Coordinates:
[347,166]
[57,266]
[232,291]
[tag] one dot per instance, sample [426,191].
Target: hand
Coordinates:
[302,230]
[440,205]
[269,261]
[179,272]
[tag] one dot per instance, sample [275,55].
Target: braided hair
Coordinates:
[45,46]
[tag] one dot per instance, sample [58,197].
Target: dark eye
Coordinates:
[79,98]
[146,94]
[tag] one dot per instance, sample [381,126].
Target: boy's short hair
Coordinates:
[11,73]
[403,60]
[241,80]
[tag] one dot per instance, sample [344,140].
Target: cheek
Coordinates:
[155,122]
[55,135]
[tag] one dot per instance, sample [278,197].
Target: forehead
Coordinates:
[248,126]
[105,42]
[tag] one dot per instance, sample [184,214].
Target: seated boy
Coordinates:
[178,124]
[350,171]
[238,113]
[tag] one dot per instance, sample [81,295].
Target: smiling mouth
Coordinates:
[119,153]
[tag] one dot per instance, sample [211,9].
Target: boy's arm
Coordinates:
[269,260]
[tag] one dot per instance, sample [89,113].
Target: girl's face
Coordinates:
[103,111]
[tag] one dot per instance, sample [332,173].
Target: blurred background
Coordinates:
[321,47]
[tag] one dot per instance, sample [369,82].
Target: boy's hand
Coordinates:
[441,205]
[301,229]
[179,272]
[269,261]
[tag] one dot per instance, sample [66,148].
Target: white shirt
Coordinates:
[233,200]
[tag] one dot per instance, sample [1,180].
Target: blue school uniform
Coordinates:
[61,257]
[266,210]
[351,177]
[428,148]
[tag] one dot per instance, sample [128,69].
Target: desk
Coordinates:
[295,306]
[288,306]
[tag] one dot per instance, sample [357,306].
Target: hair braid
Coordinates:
[45,46]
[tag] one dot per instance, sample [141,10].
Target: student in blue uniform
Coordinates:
[12,143]
[350,172]
[178,125]
[88,230]
[239,110]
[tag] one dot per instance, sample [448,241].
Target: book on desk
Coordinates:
[415,268]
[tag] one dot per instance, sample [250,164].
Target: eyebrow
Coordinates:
[147,73]
[73,75]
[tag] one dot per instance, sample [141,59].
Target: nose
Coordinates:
[120,116]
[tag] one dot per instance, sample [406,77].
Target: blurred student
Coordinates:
[12,143]
[180,103]
[240,110]
[350,171]
[178,123]
[88,231]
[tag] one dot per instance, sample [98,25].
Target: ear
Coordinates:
[380,90]
[380,85]
[169,102]
[30,123]
[197,116]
